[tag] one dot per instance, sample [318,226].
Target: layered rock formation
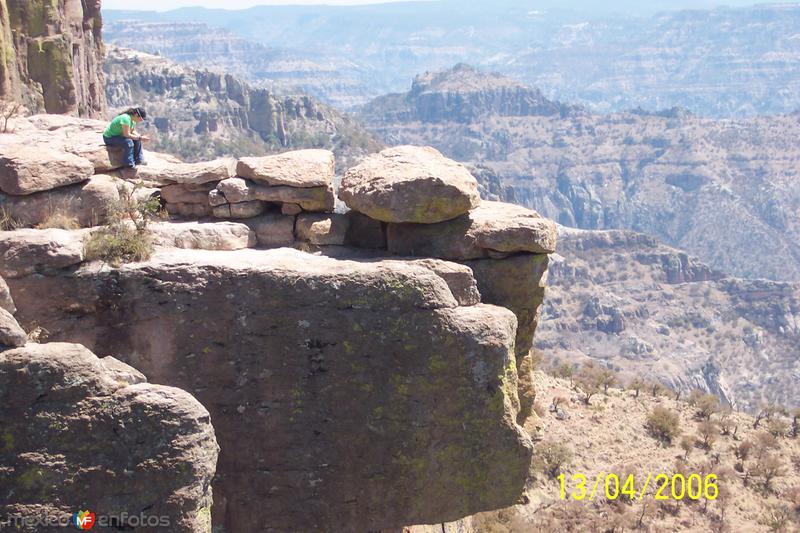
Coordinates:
[462,94]
[82,433]
[200,114]
[51,55]
[350,389]
[724,62]
[642,308]
[712,188]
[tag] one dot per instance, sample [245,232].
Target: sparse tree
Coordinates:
[7,110]
[656,388]
[590,381]
[707,432]
[778,427]
[707,405]
[564,371]
[606,378]
[768,468]
[727,424]
[687,444]
[636,385]
[663,424]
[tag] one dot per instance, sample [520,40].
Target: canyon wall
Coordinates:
[51,54]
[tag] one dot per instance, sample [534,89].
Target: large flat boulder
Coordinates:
[28,168]
[300,168]
[238,190]
[347,395]
[164,171]
[203,235]
[410,184]
[84,204]
[26,251]
[78,432]
[492,228]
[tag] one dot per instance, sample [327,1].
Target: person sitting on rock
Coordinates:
[121,132]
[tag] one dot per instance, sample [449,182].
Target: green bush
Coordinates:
[663,424]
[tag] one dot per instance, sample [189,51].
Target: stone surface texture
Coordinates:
[326,379]
[300,168]
[410,184]
[78,431]
[52,56]
[494,227]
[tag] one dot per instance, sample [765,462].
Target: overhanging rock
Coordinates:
[346,395]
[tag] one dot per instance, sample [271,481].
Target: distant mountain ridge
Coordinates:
[725,191]
[463,94]
[721,62]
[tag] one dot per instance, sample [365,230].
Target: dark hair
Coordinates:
[137,111]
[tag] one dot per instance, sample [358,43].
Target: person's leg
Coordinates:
[137,152]
[126,144]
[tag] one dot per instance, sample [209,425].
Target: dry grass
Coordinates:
[7,221]
[757,493]
[59,219]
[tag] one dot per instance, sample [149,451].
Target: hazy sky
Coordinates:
[161,5]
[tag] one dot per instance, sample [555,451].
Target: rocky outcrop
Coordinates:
[52,54]
[462,94]
[320,417]
[351,389]
[410,184]
[78,432]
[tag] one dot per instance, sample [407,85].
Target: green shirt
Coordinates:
[115,128]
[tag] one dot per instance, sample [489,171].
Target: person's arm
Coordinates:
[128,132]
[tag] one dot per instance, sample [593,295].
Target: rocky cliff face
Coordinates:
[363,383]
[52,54]
[713,188]
[331,79]
[643,308]
[199,114]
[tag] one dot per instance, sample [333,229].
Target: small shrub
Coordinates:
[777,517]
[778,427]
[687,444]
[663,424]
[707,432]
[126,237]
[552,457]
[707,405]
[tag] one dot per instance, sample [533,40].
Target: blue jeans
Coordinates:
[133,149]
